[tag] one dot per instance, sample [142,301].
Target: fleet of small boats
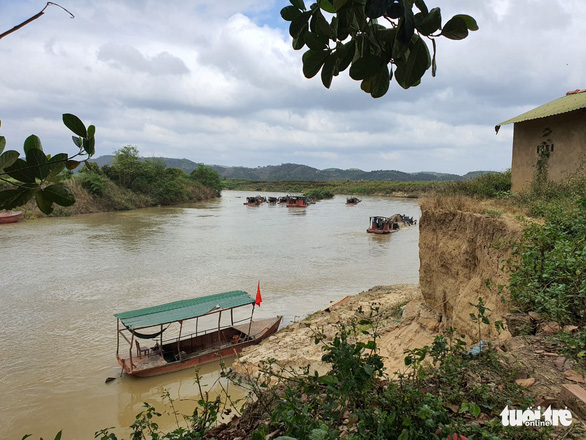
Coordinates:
[10,216]
[291,201]
[199,346]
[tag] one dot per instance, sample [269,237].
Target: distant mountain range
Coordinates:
[296,172]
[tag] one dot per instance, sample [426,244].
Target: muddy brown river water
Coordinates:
[62,279]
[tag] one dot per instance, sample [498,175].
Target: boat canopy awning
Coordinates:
[181,310]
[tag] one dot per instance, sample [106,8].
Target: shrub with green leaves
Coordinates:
[40,176]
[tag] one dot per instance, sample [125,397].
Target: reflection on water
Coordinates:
[62,280]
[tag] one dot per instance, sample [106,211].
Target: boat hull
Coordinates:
[10,217]
[156,364]
[379,231]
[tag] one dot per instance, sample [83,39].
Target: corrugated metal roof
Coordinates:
[186,309]
[568,103]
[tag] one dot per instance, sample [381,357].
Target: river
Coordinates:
[62,279]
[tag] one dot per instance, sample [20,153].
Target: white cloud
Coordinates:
[218,82]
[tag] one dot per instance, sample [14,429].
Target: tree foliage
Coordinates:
[342,34]
[207,176]
[40,176]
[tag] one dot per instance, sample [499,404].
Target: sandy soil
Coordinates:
[294,347]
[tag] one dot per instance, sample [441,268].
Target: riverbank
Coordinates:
[388,303]
[523,370]
[115,198]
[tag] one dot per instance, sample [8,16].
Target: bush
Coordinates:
[319,194]
[93,183]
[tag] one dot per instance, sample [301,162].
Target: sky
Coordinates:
[217,82]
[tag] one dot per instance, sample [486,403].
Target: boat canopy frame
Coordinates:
[182,310]
[179,311]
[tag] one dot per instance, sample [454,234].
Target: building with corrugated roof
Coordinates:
[555,133]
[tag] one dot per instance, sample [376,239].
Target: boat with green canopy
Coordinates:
[190,332]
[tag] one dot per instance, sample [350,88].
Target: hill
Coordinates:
[296,172]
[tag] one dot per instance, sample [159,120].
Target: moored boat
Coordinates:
[297,202]
[10,216]
[381,225]
[252,201]
[185,351]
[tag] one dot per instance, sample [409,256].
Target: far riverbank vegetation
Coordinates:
[132,182]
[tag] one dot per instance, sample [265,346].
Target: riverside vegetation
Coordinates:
[132,182]
[448,390]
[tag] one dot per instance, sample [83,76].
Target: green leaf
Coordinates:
[43,202]
[2,144]
[404,435]
[38,163]
[378,84]
[11,198]
[312,62]
[77,141]
[89,145]
[8,158]
[346,55]
[470,22]
[327,6]
[410,71]
[59,194]
[376,8]
[57,164]
[433,63]
[429,23]
[365,67]
[74,124]
[91,131]
[456,28]
[290,13]
[322,25]
[327,73]
[421,6]
[339,4]
[299,4]
[21,171]
[299,42]
[319,434]
[314,41]
[72,164]
[32,143]
[406,26]
[328,379]
[299,24]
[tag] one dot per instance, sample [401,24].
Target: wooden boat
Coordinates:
[186,351]
[297,202]
[273,200]
[353,201]
[382,225]
[10,216]
[252,201]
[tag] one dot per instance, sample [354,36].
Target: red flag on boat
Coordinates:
[258,297]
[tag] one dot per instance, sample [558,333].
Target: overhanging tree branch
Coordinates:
[33,18]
